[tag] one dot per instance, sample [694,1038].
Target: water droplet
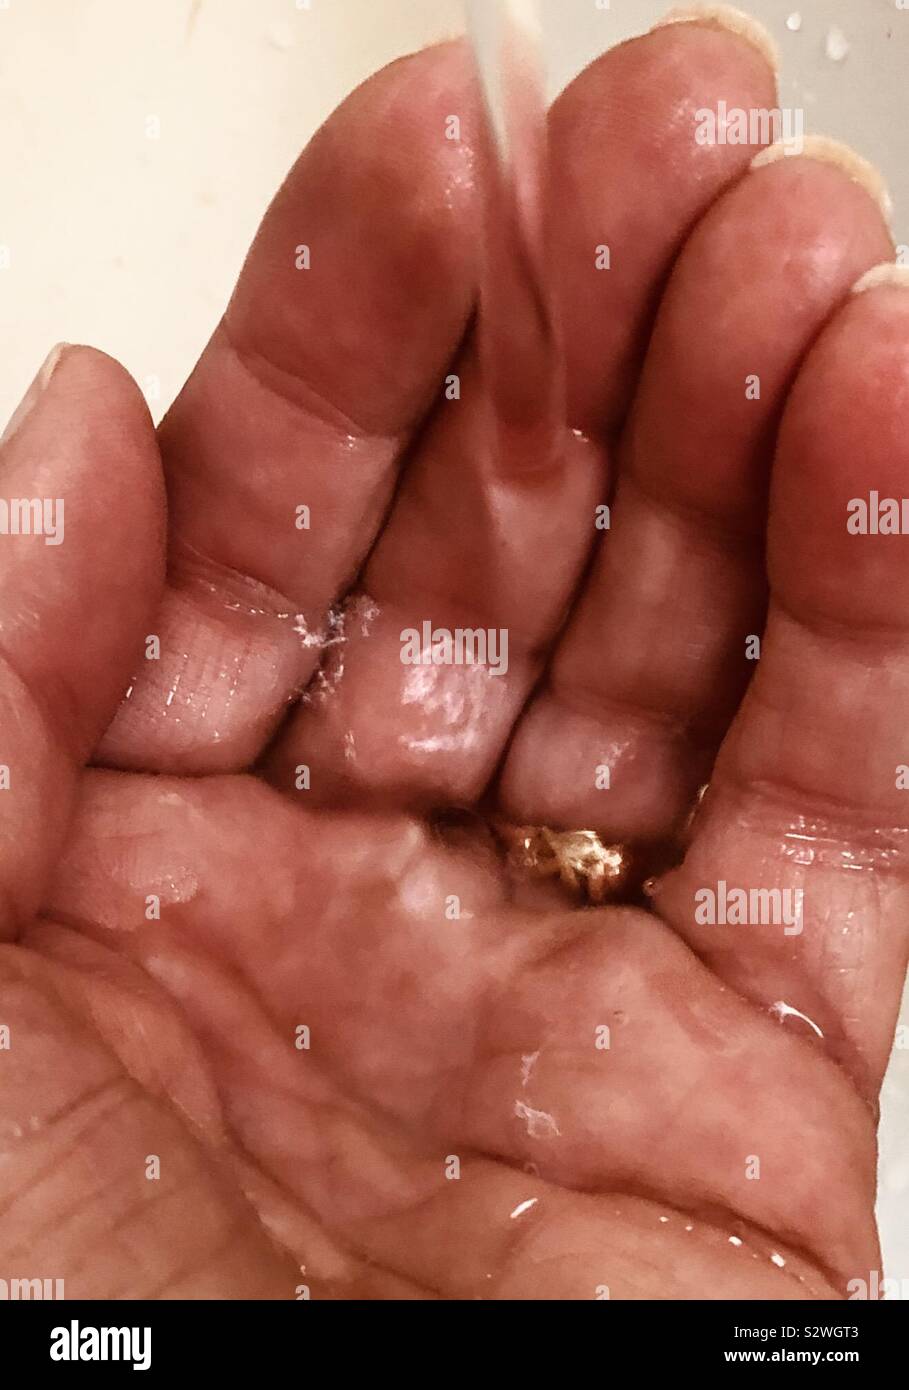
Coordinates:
[794,22]
[837,45]
[280,36]
[784,1011]
[778,1260]
[735,1240]
[523,1206]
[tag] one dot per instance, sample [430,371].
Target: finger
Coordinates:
[472,546]
[807,795]
[659,649]
[306,396]
[78,582]
[628,176]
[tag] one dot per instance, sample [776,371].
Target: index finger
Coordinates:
[282,451]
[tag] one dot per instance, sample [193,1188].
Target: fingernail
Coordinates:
[828,151]
[34,392]
[731,19]
[886,274]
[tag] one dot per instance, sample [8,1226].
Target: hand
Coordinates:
[350,1056]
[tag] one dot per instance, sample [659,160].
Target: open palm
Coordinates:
[278,1034]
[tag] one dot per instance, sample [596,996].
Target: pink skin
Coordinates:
[433,1036]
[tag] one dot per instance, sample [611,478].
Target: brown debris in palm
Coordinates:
[592,871]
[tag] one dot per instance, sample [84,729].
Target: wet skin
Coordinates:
[457,1125]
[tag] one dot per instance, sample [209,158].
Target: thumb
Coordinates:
[81,570]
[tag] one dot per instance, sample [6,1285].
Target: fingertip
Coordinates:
[825,150]
[89,433]
[887,274]
[34,393]
[730,20]
[842,447]
[81,531]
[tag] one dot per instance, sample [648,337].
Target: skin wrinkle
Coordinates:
[548,955]
[119,1083]
[560,946]
[288,387]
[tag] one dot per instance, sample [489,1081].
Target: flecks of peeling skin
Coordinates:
[359,612]
[211,699]
[452,699]
[539,1123]
[528,1062]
